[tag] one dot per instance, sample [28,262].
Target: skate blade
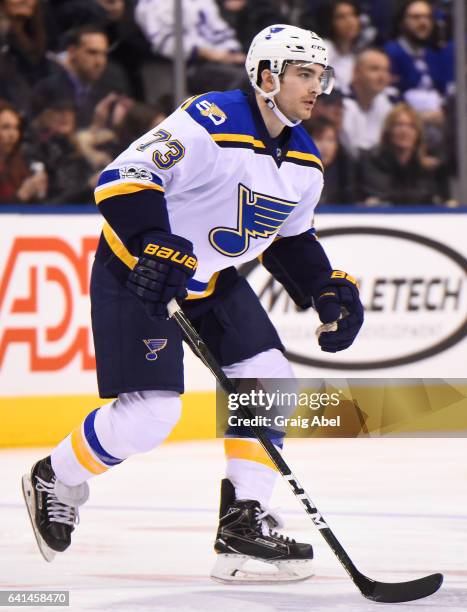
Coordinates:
[29,497]
[229,569]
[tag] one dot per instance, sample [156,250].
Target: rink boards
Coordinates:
[411,268]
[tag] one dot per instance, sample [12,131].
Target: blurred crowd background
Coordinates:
[81,79]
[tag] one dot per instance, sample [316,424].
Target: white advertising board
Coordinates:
[412,271]
[412,274]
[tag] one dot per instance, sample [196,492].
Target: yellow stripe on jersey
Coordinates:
[238,448]
[83,454]
[209,289]
[305,157]
[239,138]
[189,102]
[118,247]
[123,189]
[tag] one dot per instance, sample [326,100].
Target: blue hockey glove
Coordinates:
[163,271]
[338,304]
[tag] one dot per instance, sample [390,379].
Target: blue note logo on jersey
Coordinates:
[259,216]
[154,346]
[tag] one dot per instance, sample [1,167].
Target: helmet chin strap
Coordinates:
[269,99]
[279,114]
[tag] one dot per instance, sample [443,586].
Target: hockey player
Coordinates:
[226,178]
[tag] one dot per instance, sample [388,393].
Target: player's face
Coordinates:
[300,87]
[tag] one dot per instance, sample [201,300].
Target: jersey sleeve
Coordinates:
[131,190]
[297,262]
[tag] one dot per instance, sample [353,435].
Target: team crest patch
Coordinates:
[154,346]
[211,110]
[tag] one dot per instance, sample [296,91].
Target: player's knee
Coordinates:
[144,419]
[276,376]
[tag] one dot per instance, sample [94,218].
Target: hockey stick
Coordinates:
[385,592]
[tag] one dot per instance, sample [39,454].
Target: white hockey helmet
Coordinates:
[281,44]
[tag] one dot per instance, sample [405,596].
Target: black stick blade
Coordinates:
[396,592]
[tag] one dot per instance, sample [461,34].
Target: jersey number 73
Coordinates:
[175,151]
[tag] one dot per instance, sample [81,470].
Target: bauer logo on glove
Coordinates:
[162,272]
[337,301]
[163,252]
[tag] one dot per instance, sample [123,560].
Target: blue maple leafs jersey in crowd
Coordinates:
[211,173]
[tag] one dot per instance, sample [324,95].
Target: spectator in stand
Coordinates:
[215,56]
[339,23]
[13,86]
[139,119]
[331,107]
[368,104]
[422,69]
[85,76]
[20,182]
[116,125]
[248,17]
[381,14]
[398,171]
[52,139]
[98,141]
[338,166]
[24,39]
[127,44]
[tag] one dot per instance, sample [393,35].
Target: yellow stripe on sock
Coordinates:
[83,454]
[236,448]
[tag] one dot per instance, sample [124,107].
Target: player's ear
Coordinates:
[267,81]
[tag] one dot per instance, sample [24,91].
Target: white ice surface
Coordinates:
[399,507]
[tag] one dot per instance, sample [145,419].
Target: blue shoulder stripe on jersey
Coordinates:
[227,117]
[222,112]
[91,438]
[129,172]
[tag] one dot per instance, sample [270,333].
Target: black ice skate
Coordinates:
[52,507]
[245,534]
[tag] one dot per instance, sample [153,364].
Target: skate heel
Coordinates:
[227,566]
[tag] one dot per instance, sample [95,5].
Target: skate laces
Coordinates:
[269,518]
[57,511]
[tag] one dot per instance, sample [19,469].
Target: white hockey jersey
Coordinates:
[229,188]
